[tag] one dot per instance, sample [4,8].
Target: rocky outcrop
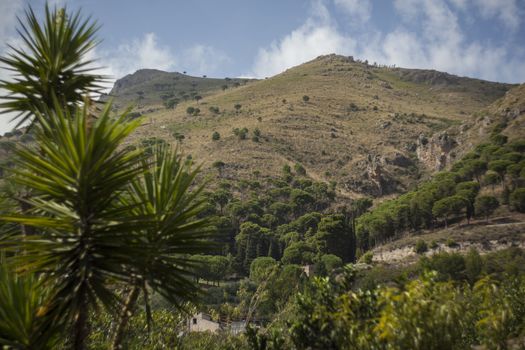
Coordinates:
[435,152]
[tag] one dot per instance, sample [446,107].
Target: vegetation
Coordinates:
[107,242]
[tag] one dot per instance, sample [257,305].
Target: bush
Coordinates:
[215,136]
[241,133]
[306,98]
[367,258]
[421,247]
[299,169]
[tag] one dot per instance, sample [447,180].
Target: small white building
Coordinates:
[202,322]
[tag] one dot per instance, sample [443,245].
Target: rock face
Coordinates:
[435,152]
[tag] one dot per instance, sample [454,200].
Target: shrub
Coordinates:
[306,98]
[299,169]
[421,247]
[241,133]
[367,258]
[215,136]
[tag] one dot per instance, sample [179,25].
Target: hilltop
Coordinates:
[373,130]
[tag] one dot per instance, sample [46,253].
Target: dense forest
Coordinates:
[110,245]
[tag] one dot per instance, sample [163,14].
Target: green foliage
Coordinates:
[24,304]
[55,49]
[335,237]
[215,136]
[306,98]
[421,247]
[261,267]
[448,206]
[241,133]
[485,205]
[517,200]
[299,169]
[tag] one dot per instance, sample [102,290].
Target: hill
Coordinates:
[373,130]
[148,87]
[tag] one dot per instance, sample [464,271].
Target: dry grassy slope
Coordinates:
[333,141]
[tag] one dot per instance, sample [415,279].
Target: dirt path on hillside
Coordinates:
[406,255]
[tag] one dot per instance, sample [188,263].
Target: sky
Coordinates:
[259,38]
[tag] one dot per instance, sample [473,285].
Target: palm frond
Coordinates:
[76,175]
[23,307]
[168,194]
[51,64]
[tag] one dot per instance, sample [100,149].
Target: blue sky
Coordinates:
[478,38]
[258,38]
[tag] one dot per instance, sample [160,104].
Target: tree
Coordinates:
[517,200]
[75,206]
[55,49]
[224,87]
[22,323]
[176,230]
[221,198]
[491,178]
[448,206]
[485,205]
[500,166]
[197,98]
[260,267]
[215,136]
[333,236]
[468,190]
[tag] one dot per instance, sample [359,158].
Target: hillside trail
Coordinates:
[405,255]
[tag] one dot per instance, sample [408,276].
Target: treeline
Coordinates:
[286,219]
[452,194]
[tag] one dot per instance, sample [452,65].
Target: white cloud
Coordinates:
[202,60]
[317,36]
[430,37]
[8,12]
[358,10]
[144,52]
[506,10]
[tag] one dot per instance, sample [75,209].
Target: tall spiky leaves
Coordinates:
[51,63]
[76,175]
[23,302]
[165,194]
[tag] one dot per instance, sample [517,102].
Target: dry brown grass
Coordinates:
[326,135]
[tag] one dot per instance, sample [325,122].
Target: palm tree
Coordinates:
[23,303]
[164,194]
[50,64]
[83,243]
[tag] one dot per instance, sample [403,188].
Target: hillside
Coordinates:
[148,87]
[373,130]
